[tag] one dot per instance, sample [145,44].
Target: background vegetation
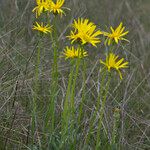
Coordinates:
[17,57]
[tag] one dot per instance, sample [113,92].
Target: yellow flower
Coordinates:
[85,32]
[42,5]
[56,8]
[116,34]
[45,29]
[71,52]
[112,62]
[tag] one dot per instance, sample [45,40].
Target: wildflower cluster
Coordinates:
[47,6]
[83,32]
[112,61]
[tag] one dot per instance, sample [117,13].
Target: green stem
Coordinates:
[92,122]
[35,96]
[72,103]
[50,115]
[72,108]
[83,92]
[69,113]
[65,116]
[98,142]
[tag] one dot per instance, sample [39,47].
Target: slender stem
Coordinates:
[72,108]
[92,122]
[65,116]
[35,96]
[83,92]
[69,113]
[72,102]
[98,142]
[50,115]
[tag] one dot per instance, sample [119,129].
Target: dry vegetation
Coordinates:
[17,63]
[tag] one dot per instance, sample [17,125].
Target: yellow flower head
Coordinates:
[116,34]
[56,8]
[85,32]
[71,52]
[42,5]
[45,29]
[112,62]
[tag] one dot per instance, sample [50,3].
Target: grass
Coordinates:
[126,128]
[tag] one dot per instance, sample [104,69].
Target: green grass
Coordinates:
[18,50]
